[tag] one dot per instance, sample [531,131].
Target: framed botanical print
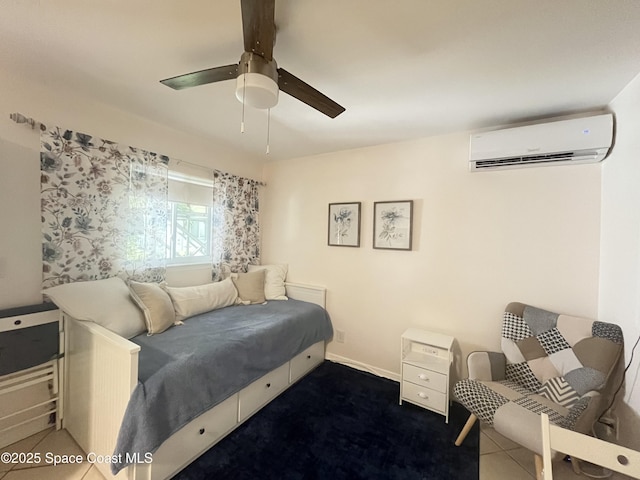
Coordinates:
[344,224]
[392,225]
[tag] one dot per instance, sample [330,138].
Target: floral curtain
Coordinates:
[104,209]
[236,230]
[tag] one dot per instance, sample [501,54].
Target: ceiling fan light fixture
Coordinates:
[257,90]
[258,78]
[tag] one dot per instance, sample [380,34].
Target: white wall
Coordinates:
[619,300]
[20,242]
[481,240]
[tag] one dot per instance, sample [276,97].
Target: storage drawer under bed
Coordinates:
[306,360]
[262,391]
[194,438]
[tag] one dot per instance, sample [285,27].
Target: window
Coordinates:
[188,233]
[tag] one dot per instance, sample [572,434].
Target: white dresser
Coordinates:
[426,359]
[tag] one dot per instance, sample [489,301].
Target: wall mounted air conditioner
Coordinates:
[578,140]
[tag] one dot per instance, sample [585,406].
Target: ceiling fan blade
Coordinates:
[258,27]
[304,92]
[202,77]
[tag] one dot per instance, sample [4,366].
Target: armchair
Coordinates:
[566,367]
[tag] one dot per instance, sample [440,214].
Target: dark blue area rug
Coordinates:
[339,423]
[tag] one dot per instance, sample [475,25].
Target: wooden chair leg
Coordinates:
[539,465]
[465,430]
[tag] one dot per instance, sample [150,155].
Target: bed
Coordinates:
[106,373]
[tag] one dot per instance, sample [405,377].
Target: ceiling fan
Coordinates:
[258,78]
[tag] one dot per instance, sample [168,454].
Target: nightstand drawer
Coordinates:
[424,377]
[424,396]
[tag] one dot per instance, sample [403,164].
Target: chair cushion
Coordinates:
[518,420]
[484,399]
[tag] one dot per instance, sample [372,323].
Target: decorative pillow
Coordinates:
[250,286]
[275,276]
[190,301]
[105,302]
[155,304]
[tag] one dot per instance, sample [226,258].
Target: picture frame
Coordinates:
[343,226]
[393,225]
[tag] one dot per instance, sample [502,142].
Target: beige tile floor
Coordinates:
[500,459]
[48,443]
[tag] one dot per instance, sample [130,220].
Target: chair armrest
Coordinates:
[486,366]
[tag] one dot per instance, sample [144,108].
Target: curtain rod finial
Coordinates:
[18,117]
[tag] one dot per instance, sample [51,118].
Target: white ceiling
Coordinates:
[403,69]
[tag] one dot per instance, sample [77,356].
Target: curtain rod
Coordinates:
[213,171]
[19,118]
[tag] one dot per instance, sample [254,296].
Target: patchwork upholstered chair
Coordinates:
[564,366]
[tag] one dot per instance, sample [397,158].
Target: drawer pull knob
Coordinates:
[201,431]
[423,376]
[17,322]
[308,357]
[268,385]
[423,395]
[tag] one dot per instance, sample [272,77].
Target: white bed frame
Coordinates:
[102,371]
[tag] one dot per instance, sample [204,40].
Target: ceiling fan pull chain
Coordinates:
[268,128]
[244,89]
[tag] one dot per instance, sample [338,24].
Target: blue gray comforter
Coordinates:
[190,368]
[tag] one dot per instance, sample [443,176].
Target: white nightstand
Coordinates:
[426,359]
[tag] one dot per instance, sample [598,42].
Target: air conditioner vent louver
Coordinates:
[564,142]
[548,158]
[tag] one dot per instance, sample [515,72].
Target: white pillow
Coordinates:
[105,302]
[275,277]
[190,301]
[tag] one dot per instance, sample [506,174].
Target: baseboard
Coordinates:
[380,372]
